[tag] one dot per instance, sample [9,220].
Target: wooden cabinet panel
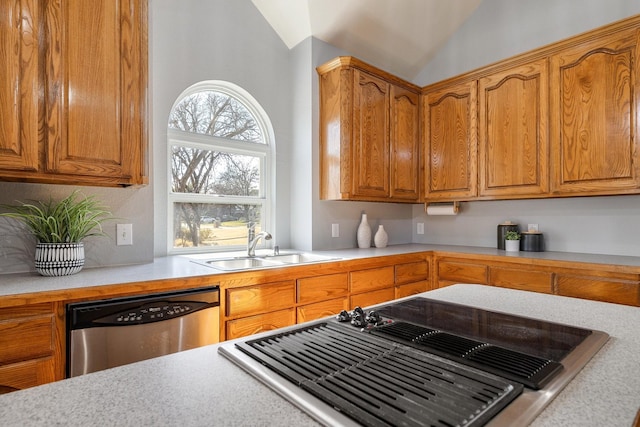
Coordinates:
[599,289]
[450,142]
[260,298]
[29,373]
[321,309]
[513,126]
[370,136]
[26,338]
[411,288]
[371,279]
[405,144]
[260,323]
[370,298]
[462,272]
[595,95]
[411,272]
[19,130]
[522,279]
[320,288]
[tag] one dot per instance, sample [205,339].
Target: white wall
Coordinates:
[497,30]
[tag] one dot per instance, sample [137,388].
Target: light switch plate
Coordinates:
[335,230]
[124,234]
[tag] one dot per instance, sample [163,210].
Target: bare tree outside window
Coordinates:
[228,180]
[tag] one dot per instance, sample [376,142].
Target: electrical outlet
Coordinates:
[124,234]
[421,228]
[335,230]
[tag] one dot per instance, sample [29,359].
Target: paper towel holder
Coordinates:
[454,207]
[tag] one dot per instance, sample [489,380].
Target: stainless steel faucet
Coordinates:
[252,239]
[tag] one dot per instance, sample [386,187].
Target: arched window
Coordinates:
[221,163]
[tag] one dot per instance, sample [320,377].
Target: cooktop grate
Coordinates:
[530,370]
[379,382]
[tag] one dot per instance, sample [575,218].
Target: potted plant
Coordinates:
[512,241]
[60,228]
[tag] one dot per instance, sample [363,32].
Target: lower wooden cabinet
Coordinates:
[372,297]
[321,309]
[254,299]
[521,278]
[30,346]
[460,271]
[617,291]
[260,323]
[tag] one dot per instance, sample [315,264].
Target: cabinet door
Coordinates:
[370,136]
[452,272]
[96,69]
[450,143]
[19,85]
[405,144]
[595,94]
[260,323]
[512,142]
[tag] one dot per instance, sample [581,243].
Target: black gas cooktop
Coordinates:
[417,362]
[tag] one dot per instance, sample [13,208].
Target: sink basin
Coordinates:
[240,263]
[300,258]
[263,261]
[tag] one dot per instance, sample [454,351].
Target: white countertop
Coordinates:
[201,388]
[172,267]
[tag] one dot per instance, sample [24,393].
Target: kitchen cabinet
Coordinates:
[452,271]
[260,323]
[254,299]
[595,95]
[411,278]
[450,142]
[521,277]
[586,285]
[371,286]
[73,97]
[321,296]
[369,134]
[30,345]
[513,131]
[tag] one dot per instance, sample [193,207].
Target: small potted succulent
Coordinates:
[60,228]
[512,241]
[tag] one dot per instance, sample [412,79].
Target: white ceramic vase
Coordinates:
[512,245]
[381,238]
[364,233]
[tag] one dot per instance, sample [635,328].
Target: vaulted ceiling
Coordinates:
[400,36]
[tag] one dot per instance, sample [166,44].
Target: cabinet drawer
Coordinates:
[321,309]
[411,272]
[412,288]
[599,290]
[371,298]
[462,272]
[320,288]
[371,279]
[26,338]
[28,374]
[260,323]
[536,281]
[256,299]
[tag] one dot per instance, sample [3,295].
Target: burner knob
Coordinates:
[373,318]
[358,310]
[358,319]
[343,316]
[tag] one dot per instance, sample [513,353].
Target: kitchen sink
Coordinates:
[299,258]
[263,261]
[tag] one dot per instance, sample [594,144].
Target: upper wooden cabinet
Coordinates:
[73,92]
[595,95]
[369,134]
[450,142]
[513,125]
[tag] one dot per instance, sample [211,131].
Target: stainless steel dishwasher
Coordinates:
[108,333]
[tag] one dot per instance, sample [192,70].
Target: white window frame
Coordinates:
[264,151]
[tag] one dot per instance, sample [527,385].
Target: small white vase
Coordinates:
[381,238]
[512,245]
[364,233]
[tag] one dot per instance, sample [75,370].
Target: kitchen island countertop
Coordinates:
[200,388]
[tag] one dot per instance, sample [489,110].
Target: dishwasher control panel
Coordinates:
[152,312]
